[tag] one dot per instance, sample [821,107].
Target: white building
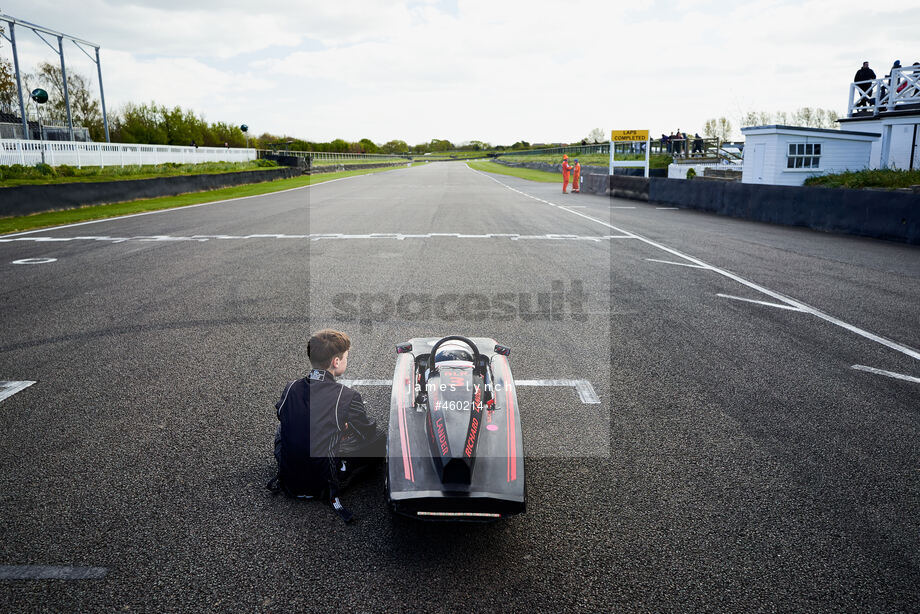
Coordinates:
[787,155]
[882,131]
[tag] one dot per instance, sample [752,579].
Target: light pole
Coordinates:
[40,97]
[245,130]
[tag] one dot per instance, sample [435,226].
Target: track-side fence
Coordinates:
[79,154]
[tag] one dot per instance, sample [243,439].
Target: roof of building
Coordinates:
[806,129]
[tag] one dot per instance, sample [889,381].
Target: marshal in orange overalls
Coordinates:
[565,173]
[576,177]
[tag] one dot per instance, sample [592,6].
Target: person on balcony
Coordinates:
[864,74]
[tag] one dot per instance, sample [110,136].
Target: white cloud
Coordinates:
[496,71]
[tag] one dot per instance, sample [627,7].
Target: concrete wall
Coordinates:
[595,183]
[23,200]
[880,214]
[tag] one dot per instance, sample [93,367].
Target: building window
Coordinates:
[803,155]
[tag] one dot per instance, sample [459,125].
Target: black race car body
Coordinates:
[454,449]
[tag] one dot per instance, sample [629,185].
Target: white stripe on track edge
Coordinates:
[904,349]
[750,300]
[183,207]
[906,378]
[692,266]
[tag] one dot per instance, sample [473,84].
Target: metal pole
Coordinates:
[611,158]
[64,77]
[105,118]
[22,104]
[648,148]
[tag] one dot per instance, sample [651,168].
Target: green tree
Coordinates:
[806,117]
[368,146]
[139,124]
[395,147]
[719,128]
[8,93]
[85,109]
[440,145]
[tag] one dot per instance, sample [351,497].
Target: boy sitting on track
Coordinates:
[324,434]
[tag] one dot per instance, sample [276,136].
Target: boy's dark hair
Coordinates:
[325,345]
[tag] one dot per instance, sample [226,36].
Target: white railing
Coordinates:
[30,153]
[899,91]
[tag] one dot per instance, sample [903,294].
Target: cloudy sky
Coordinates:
[498,71]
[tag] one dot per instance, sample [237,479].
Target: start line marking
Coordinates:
[51,572]
[8,389]
[322,237]
[582,386]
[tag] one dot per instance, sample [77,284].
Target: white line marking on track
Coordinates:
[8,389]
[365,382]
[898,347]
[321,237]
[35,261]
[906,378]
[615,207]
[51,572]
[692,266]
[582,386]
[750,300]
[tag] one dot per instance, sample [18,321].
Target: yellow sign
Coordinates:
[628,135]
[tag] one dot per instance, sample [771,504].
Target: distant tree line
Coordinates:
[806,117]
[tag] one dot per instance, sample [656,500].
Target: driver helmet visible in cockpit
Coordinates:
[453,351]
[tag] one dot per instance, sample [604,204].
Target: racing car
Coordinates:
[454,447]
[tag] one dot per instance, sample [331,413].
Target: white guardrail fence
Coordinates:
[74,153]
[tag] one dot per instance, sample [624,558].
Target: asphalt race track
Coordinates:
[737,461]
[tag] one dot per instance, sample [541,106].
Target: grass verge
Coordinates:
[95,212]
[868,178]
[523,173]
[44,174]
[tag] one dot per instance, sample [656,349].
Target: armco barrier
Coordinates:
[23,200]
[880,214]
